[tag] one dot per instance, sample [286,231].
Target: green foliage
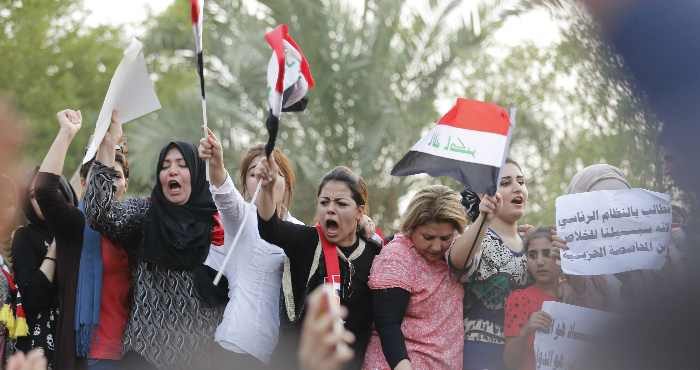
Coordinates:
[575,108]
[381,69]
[50,62]
[377,68]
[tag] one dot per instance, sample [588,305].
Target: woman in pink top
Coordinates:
[417,304]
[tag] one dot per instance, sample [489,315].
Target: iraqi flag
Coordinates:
[288,79]
[469,144]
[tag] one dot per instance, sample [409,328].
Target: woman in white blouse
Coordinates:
[250,327]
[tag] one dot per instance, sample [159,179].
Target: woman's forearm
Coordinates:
[53,162]
[266,203]
[461,253]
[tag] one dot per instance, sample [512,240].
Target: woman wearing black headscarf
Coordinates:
[169,233]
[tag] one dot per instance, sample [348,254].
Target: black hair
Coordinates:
[539,232]
[355,183]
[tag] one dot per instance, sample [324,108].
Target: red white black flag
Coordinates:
[469,144]
[288,79]
[197,13]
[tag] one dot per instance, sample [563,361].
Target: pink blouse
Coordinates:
[432,326]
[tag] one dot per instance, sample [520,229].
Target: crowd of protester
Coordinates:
[108,281]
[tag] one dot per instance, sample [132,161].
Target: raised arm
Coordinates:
[460,254]
[107,150]
[70,122]
[61,216]
[119,221]
[267,170]
[229,201]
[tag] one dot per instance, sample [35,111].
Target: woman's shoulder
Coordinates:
[520,293]
[398,249]
[21,232]
[27,233]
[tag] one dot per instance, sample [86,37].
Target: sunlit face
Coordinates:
[432,240]
[338,213]
[121,181]
[174,178]
[253,177]
[514,192]
[543,261]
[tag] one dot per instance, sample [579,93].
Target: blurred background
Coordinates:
[385,71]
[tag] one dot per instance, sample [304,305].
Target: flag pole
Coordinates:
[506,151]
[205,133]
[197,14]
[233,244]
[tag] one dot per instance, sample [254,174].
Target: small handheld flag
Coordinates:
[288,80]
[469,143]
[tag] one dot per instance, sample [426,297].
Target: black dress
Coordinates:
[307,269]
[66,222]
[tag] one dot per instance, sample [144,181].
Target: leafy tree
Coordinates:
[377,68]
[576,108]
[50,61]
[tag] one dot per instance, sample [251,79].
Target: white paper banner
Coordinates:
[571,338]
[130,92]
[612,231]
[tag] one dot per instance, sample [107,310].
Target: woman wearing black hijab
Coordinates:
[169,234]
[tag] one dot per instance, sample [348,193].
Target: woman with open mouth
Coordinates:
[493,269]
[417,301]
[169,235]
[334,251]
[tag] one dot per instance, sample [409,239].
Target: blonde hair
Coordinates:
[436,203]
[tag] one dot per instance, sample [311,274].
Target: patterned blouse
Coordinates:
[491,277]
[168,325]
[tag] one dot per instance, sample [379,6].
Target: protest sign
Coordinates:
[568,343]
[612,231]
[130,93]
